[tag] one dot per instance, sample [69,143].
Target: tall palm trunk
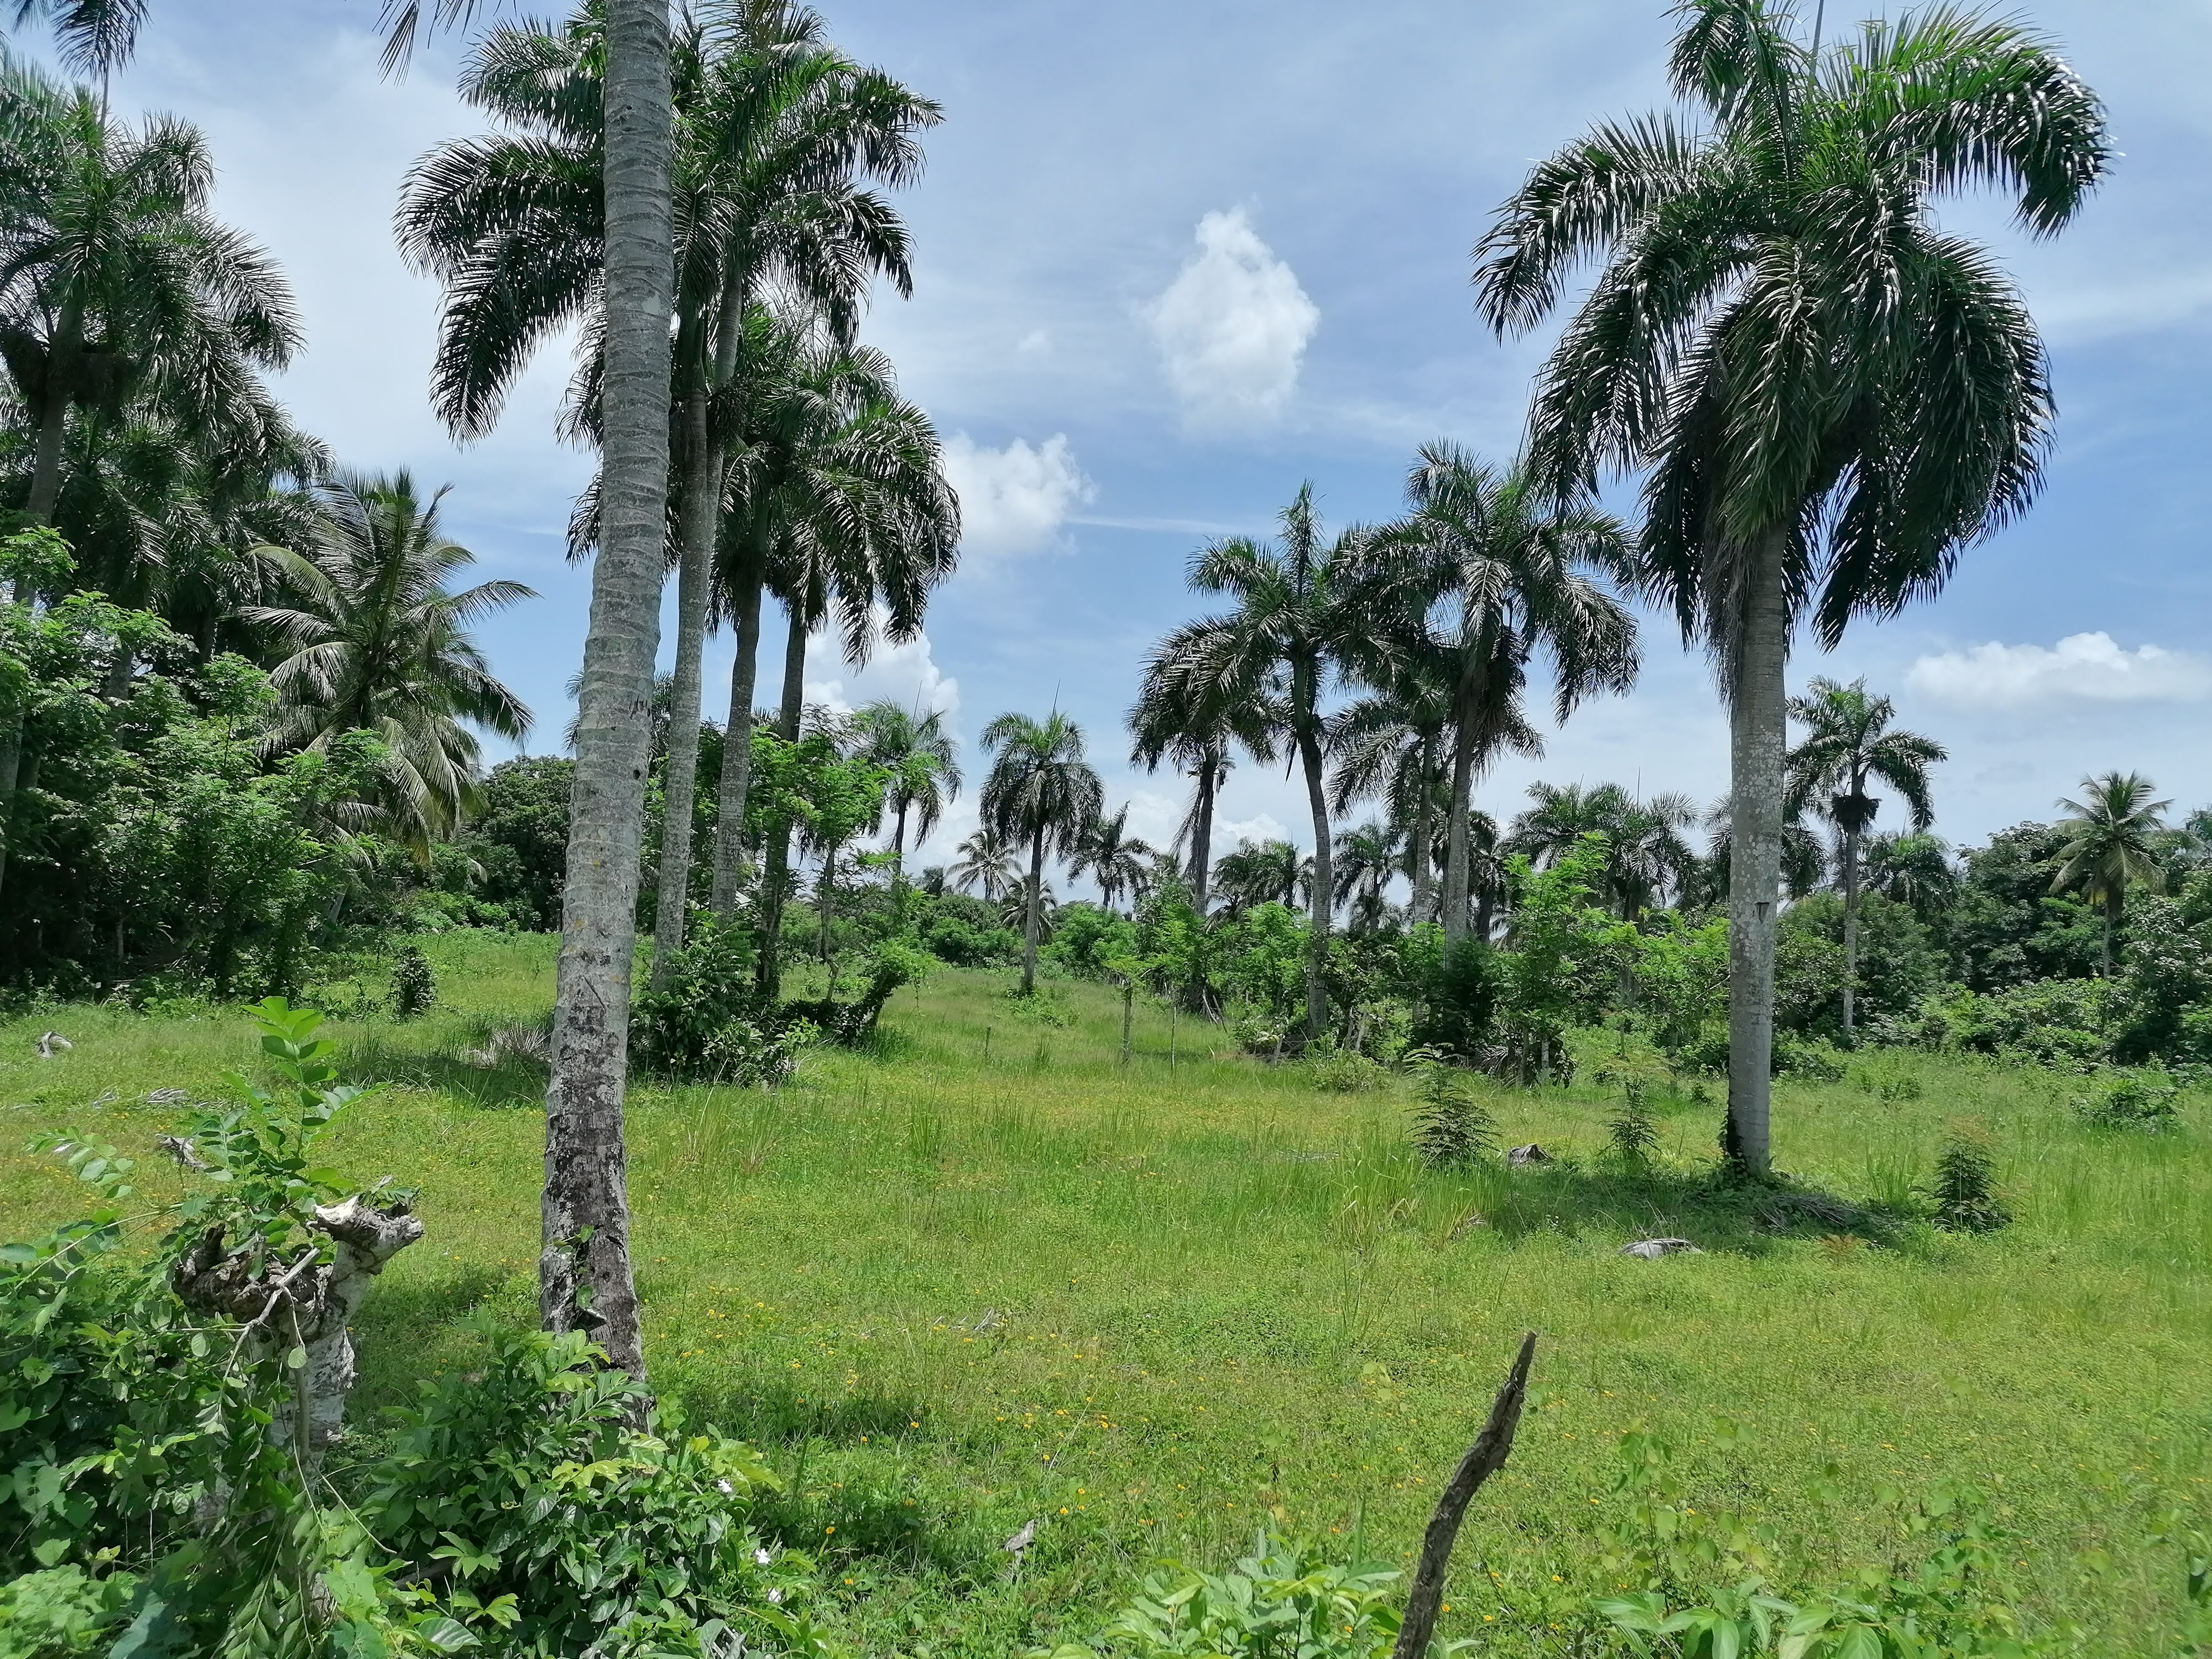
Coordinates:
[704,452]
[680,776]
[1418,855]
[1850,931]
[583,1268]
[2105,948]
[1758,735]
[62,364]
[11,761]
[1321,905]
[1030,913]
[737,748]
[898,868]
[777,877]
[1457,873]
[1201,828]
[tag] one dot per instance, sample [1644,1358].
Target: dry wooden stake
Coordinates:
[1484,1459]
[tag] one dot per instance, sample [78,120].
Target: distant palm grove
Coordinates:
[243,707]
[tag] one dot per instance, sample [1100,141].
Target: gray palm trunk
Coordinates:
[1323,889]
[1417,855]
[11,761]
[585,1281]
[1759,737]
[1030,913]
[777,876]
[1456,872]
[1202,830]
[1850,931]
[702,513]
[737,751]
[62,363]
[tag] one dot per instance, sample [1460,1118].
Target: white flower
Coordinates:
[775,1595]
[762,1556]
[726,1487]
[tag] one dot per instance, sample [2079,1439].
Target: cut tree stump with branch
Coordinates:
[1484,1459]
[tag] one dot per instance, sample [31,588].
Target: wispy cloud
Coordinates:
[1233,326]
[2083,667]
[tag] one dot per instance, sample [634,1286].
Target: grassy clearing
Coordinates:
[988,1274]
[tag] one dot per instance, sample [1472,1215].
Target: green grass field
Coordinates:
[989,1274]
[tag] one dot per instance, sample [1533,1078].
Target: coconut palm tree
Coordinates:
[923,762]
[379,642]
[984,861]
[1117,861]
[1494,572]
[2111,846]
[119,287]
[1277,651]
[1828,394]
[1041,794]
[1913,870]
[1848,746]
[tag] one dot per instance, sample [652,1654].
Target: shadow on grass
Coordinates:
[483,1070]
[1712,1207]
[409,1328]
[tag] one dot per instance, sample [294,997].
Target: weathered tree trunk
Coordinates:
[62,364]
[1418,855]
[585,1281]
[1201,829]
[1322,904]
[1759,734]
[11,762]
[1029,915]
[777,877]
[705,452]
[1850,930]
[1484,1459]
[737,750]
[1456,837]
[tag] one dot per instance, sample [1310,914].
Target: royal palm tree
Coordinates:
[1495,573]
[923,762]
[1913,870]
[1367,861]
[1392,744]
[1828,394]
[1848,746]
[119,286]
[1040,794]
[984,861]
[1262,873]
[838,493]
[1804,859]
[1646,856]
[2111,846]
[1117,861]
[1179,720]
[1277,651]
[379,642]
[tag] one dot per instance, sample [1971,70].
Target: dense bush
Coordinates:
[1282,1602]
[707,1020]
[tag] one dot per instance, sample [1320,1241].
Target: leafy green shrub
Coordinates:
[524,1483]
[1452,1129]
[414,986]
[2131,1102]
[707,1020]
[1282,1602]
[2059,1022]
[1811,1059]
[63,1612]
[1632,1132]
[890,964]
[964,944]
[1456,990]
[1342,1070]
[1966,1191]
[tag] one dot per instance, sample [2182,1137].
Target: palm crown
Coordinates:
[1040,792]
[2111,844]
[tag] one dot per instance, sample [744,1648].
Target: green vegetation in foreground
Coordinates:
[1158,1308]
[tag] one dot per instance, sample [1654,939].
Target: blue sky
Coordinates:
[1175,259]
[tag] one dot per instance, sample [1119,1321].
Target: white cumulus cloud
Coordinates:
[904,672]
[1014,500]
[2085,667]
[1233,326]
[1230,833]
